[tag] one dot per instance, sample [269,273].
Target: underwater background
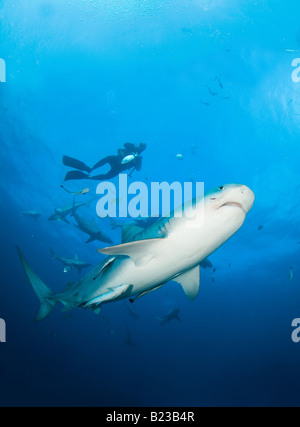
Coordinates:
[208,79]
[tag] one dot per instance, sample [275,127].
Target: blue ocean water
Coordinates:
[83,78]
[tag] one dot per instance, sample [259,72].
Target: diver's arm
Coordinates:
[130,175]
[138,163]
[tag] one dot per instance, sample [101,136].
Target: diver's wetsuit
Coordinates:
[115,163]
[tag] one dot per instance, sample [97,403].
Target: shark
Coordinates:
[60,214]
[32,214]
[128,339]
[90,227]
[172,315]
[132,313]
[70,263]
[171,249]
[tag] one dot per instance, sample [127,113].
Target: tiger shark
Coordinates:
[169,250]
[90,227]
[60,214]
[172,315]
[70,263]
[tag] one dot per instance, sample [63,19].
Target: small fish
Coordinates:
[290,101]
[291,274]
[220,83]
[260,227]
[187,30]
[205,102]
[128,159]
[211,92]
[76,193]
[179,156]
[117,201]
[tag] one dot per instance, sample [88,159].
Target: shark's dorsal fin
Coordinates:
[141,252]
[190,282]
[76,257]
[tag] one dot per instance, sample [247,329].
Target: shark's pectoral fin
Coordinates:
[112,295]
[105,267]
[141,252]
[91,239]
[190,282]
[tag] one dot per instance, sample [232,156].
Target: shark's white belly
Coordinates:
[183,250]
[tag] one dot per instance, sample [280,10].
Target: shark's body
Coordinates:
[70,263]
[172,315]
[169,250]
[32,214]
[90,227]
[60,214]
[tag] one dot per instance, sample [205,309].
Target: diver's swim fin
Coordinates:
[76,175]
[76,164]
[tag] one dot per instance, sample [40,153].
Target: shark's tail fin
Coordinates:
[41,290]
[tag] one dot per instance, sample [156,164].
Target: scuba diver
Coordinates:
[128,157]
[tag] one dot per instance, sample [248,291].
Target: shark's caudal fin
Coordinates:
[41,290]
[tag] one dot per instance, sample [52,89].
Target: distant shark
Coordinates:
[90,227]
[132,313]
[128,339]
[172,315]
[70,263]
[32,214]
[60,214]
[169,250]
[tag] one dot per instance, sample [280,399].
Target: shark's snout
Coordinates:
[239,196]
[247,198]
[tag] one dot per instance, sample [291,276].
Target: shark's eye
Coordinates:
[222,187]
[212,198]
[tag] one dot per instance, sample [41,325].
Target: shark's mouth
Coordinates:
[233,204]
